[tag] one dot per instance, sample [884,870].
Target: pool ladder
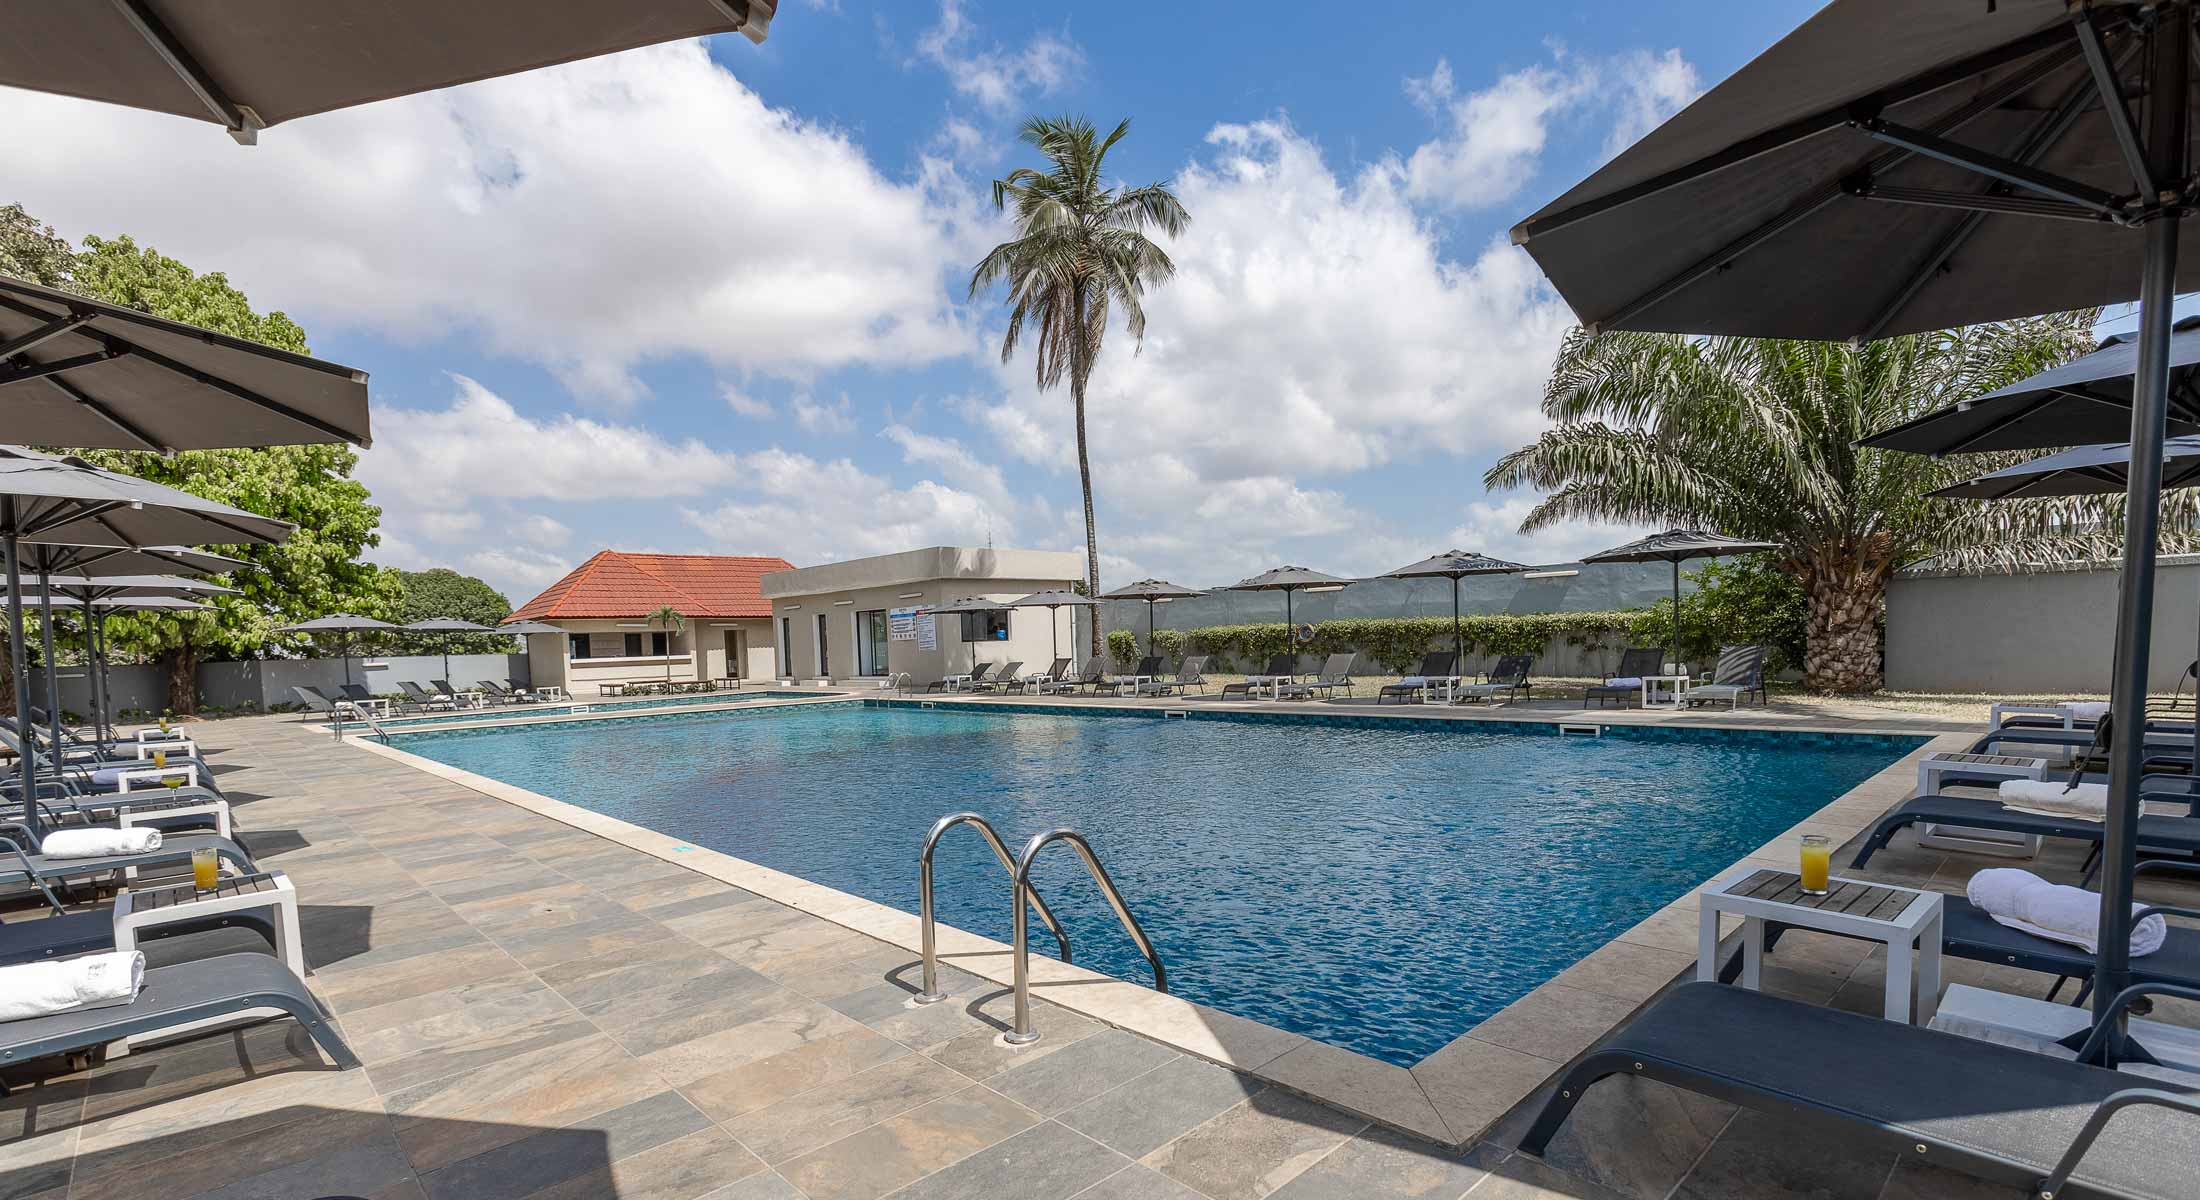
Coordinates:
[1026,900]
[346,706]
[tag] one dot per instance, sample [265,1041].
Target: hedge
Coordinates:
[1396,643]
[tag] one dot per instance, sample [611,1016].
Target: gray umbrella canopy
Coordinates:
[1455,565]
[1288,580]
[446,626]
[79,588]
[1052,600]
[1895,167]
[1677,546]
[103,561]
[345,623]
[1889,167]
[957,608]
[2079,471]
[1152,591]
[250,64]
[80,372]
[70,501]
[526,628]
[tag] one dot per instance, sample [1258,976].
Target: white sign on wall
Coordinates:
[901,624]
[928,633]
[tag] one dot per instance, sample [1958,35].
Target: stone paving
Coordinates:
[546,1014]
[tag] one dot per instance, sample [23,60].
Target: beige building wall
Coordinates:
[698,652]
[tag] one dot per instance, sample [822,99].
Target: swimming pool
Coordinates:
[1381,889]
[506,712]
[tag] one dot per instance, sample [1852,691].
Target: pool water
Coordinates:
[1381,889]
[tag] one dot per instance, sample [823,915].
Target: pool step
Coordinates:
[1592,728]
[1184,714]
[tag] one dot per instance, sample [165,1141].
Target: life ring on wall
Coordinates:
[1302,633]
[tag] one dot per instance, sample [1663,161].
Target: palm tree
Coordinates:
[1756,438]
[673,623]
[1081,250]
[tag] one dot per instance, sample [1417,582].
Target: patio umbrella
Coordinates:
[88,591]
[1288,580]
[339,623]
[45,499]
[525,628]
[1677,546]
[81,372]
[249,64]
[1053,600]
[1455,565]
[2087,399]
[956,608]
[1152,591]
[447,626]
[1894,167]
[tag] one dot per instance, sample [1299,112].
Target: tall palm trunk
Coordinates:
[1844,601]
[1080,370]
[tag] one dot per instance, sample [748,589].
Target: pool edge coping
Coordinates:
[1453,1096]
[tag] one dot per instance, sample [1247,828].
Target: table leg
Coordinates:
[1928,970]
[1707,943]
[293,947]
[1753,952]
[1899,982]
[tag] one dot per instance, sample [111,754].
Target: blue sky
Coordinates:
[710,297]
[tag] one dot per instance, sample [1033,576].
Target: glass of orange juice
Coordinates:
[205,869]
[160,759]
[1817,863]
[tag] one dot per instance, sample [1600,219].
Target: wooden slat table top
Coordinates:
[1855,899]
[184,893]
[1990,760]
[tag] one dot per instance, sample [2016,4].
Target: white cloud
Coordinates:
[540,531]
[813,511]
[447,525]
[1492,527]
[995,76]
[819,417]
[1652,88]
[590,217]
[516,571]
[744,404]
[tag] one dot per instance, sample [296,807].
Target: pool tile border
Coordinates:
[1453,1096]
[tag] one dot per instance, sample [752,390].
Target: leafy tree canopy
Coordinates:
[443,592]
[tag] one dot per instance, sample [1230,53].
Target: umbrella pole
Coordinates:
[1676,611]
[53,675]
[2167,116]
[91,678]
[1458,636]
[18,670]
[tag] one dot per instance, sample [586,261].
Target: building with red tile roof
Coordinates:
[604,607]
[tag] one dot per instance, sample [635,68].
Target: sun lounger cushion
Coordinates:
[1624,681]
[93,981]
[99,843]
[2087,801]
[2022,900]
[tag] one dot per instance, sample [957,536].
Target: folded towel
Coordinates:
[2022,900]
[1414,681]
[99,843]
[2087,710]
[2086,802]
[93,981]
[1624,681]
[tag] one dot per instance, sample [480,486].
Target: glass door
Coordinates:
[871,642]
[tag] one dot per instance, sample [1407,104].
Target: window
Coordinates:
[633,648]
[988,626]
[786,645]
[660,644]
[824,663]
[576,645]
[871,642]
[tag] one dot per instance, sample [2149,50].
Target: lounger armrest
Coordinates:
[2052,1186]
[2167,865]
[2089,1051]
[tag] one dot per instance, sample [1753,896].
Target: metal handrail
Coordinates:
[1023,1033]
[365,717]
[932,993]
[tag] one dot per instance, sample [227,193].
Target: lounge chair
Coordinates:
[1336,673]
[504,695]
[1001,680]
[314,702]
[19,862]
[98,777]
[1190,673]
[1436,666]
[1625,683]
[978,674]
[1094,674]
[420,698]
[1509,678]
[2179,835]
[1281,669]
[1055,672]
[1148,668]
[1996,1112]
[179,995]
[1739,672]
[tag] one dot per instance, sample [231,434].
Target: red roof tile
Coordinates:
[613,584]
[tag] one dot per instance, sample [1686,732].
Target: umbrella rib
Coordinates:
[164,43]
[106,414]
[2112,99]
[45,333]
[2054,37]
[1994,166]
[2020,412]
[29,370]
[64,514]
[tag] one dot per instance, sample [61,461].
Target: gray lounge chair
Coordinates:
[1625,683]
[420,698]
[505,695]
[64,934]
[1435,666]
[978,674]
[1055,672]
[1001,680]
[177,995]
[18,861]
[315,702]
[1094,674]
[1190,673]
[1336,673]
[1509,678]
[1739,672]
[1281,667]
[1995,1112]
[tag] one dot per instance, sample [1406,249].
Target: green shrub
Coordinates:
[1747,601]
[1169,644]
[1397,643]
[1122,645]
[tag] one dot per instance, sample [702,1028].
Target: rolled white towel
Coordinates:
[93,981]
[1413,681]
[1624,681]
[2087,801]
[2087,710]
[99,843]
[2022,900]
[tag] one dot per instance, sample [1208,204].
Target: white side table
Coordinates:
[2060,712]
[1978,841]
[1905,920]
[1675,688]
[141,909]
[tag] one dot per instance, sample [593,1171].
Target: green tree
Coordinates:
[443,592]
[1756,438]
[670,618]
[29,250]
[1081,251]
[1748,601]
[319,570]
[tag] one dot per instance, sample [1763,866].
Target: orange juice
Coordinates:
[205,869]
[1817,863]
[160,758]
